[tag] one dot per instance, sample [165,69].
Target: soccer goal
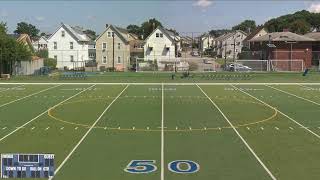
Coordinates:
[251,65]
[287,65]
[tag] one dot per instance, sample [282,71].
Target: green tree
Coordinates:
[43,53]
[134,29]
[25,28]
[147,27]
[218,32]
[3,28]
[300,26]
[246,26]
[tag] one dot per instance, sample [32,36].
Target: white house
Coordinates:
[161,44]
[207,42]
[69,46]
[40,44]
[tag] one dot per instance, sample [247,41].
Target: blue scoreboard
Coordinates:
[27,165]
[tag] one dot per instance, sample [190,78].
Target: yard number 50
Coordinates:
[148,166]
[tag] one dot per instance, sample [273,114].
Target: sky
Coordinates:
[185,16]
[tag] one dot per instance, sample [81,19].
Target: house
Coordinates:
[40,43]
[230,44]
[113,48]
[69,46]
[23,67]
[260,31]
[315,47]
[162,44]
[186,43]
[286,49]
[207,42]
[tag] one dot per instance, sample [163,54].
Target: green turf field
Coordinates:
[171,131]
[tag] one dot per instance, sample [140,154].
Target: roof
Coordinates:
[169,34]
[119,31]
[76,32]
[227,35]
[281,36]
[313,35]
[254,33]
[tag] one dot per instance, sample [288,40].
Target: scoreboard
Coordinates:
[27,165]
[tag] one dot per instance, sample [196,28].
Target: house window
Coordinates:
[161,35]
[71,58]
[157,34]
[55,57]
[109,34]
[104,45]
[71,45]
[55,45]
[119,45]
[63,33]
[119,59]
[104,59]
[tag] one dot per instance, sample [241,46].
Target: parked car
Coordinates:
[194,53]
[206,61]
[238,67]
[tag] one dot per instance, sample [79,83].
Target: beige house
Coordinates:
[113,49]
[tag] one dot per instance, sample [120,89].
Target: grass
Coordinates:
[283,134]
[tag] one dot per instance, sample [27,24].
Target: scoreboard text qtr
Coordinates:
[27,165]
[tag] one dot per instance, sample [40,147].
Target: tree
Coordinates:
[134,29]
[147,27]
[247,26]
[25,28]
[92,34]
[3,28]
[218,32]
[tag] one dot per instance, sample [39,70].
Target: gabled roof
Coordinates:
[75,32]
[313,35]
[254,33]
[119,31]
[164,31]
[281,36]
[227,35]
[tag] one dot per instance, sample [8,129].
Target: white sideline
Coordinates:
[286,92]
[11,88]
[5,104]
[86,134]
[239,135]
[162,133]
[177,84]
[43,113]
[302,126]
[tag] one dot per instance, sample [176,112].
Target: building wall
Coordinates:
[159,47]
[28,67]
[206,43]
[63,51]
[123,52]
[229,48]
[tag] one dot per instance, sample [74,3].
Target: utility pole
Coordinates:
[234,50]
[225,55]
[112,51]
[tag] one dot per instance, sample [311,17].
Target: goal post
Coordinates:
[251,65]
[287,65]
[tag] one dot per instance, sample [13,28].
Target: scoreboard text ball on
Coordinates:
[27,165]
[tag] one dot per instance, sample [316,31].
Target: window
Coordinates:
[55,45]
[71,45]
[104,60]
[71,58]
[119,45]
[110,34]
[157,34]
[55,57]
[119,59]
[104,45]
[161,35]
[63,33]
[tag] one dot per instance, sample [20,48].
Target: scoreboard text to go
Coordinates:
[148,166]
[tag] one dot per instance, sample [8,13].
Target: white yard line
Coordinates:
[86,134]
[177,84]
[46,111]
[286,92]
[162,133]
[302,126]
[10,88]
[5,104]
[239,135]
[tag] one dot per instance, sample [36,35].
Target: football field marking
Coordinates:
[239,135]
[46,111]
[302,126]
[86,134]
[299,97]
[162,132]
[7,89]
[5,104]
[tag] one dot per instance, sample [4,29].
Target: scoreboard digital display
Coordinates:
[27,165]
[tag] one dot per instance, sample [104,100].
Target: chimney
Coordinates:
[286,30]
[107,25]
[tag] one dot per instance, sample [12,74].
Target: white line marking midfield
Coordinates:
[239,135]
[86,134]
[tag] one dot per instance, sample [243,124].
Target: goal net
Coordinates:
[287,65]
[251,65]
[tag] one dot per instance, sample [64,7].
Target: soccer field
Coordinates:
[164,131]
